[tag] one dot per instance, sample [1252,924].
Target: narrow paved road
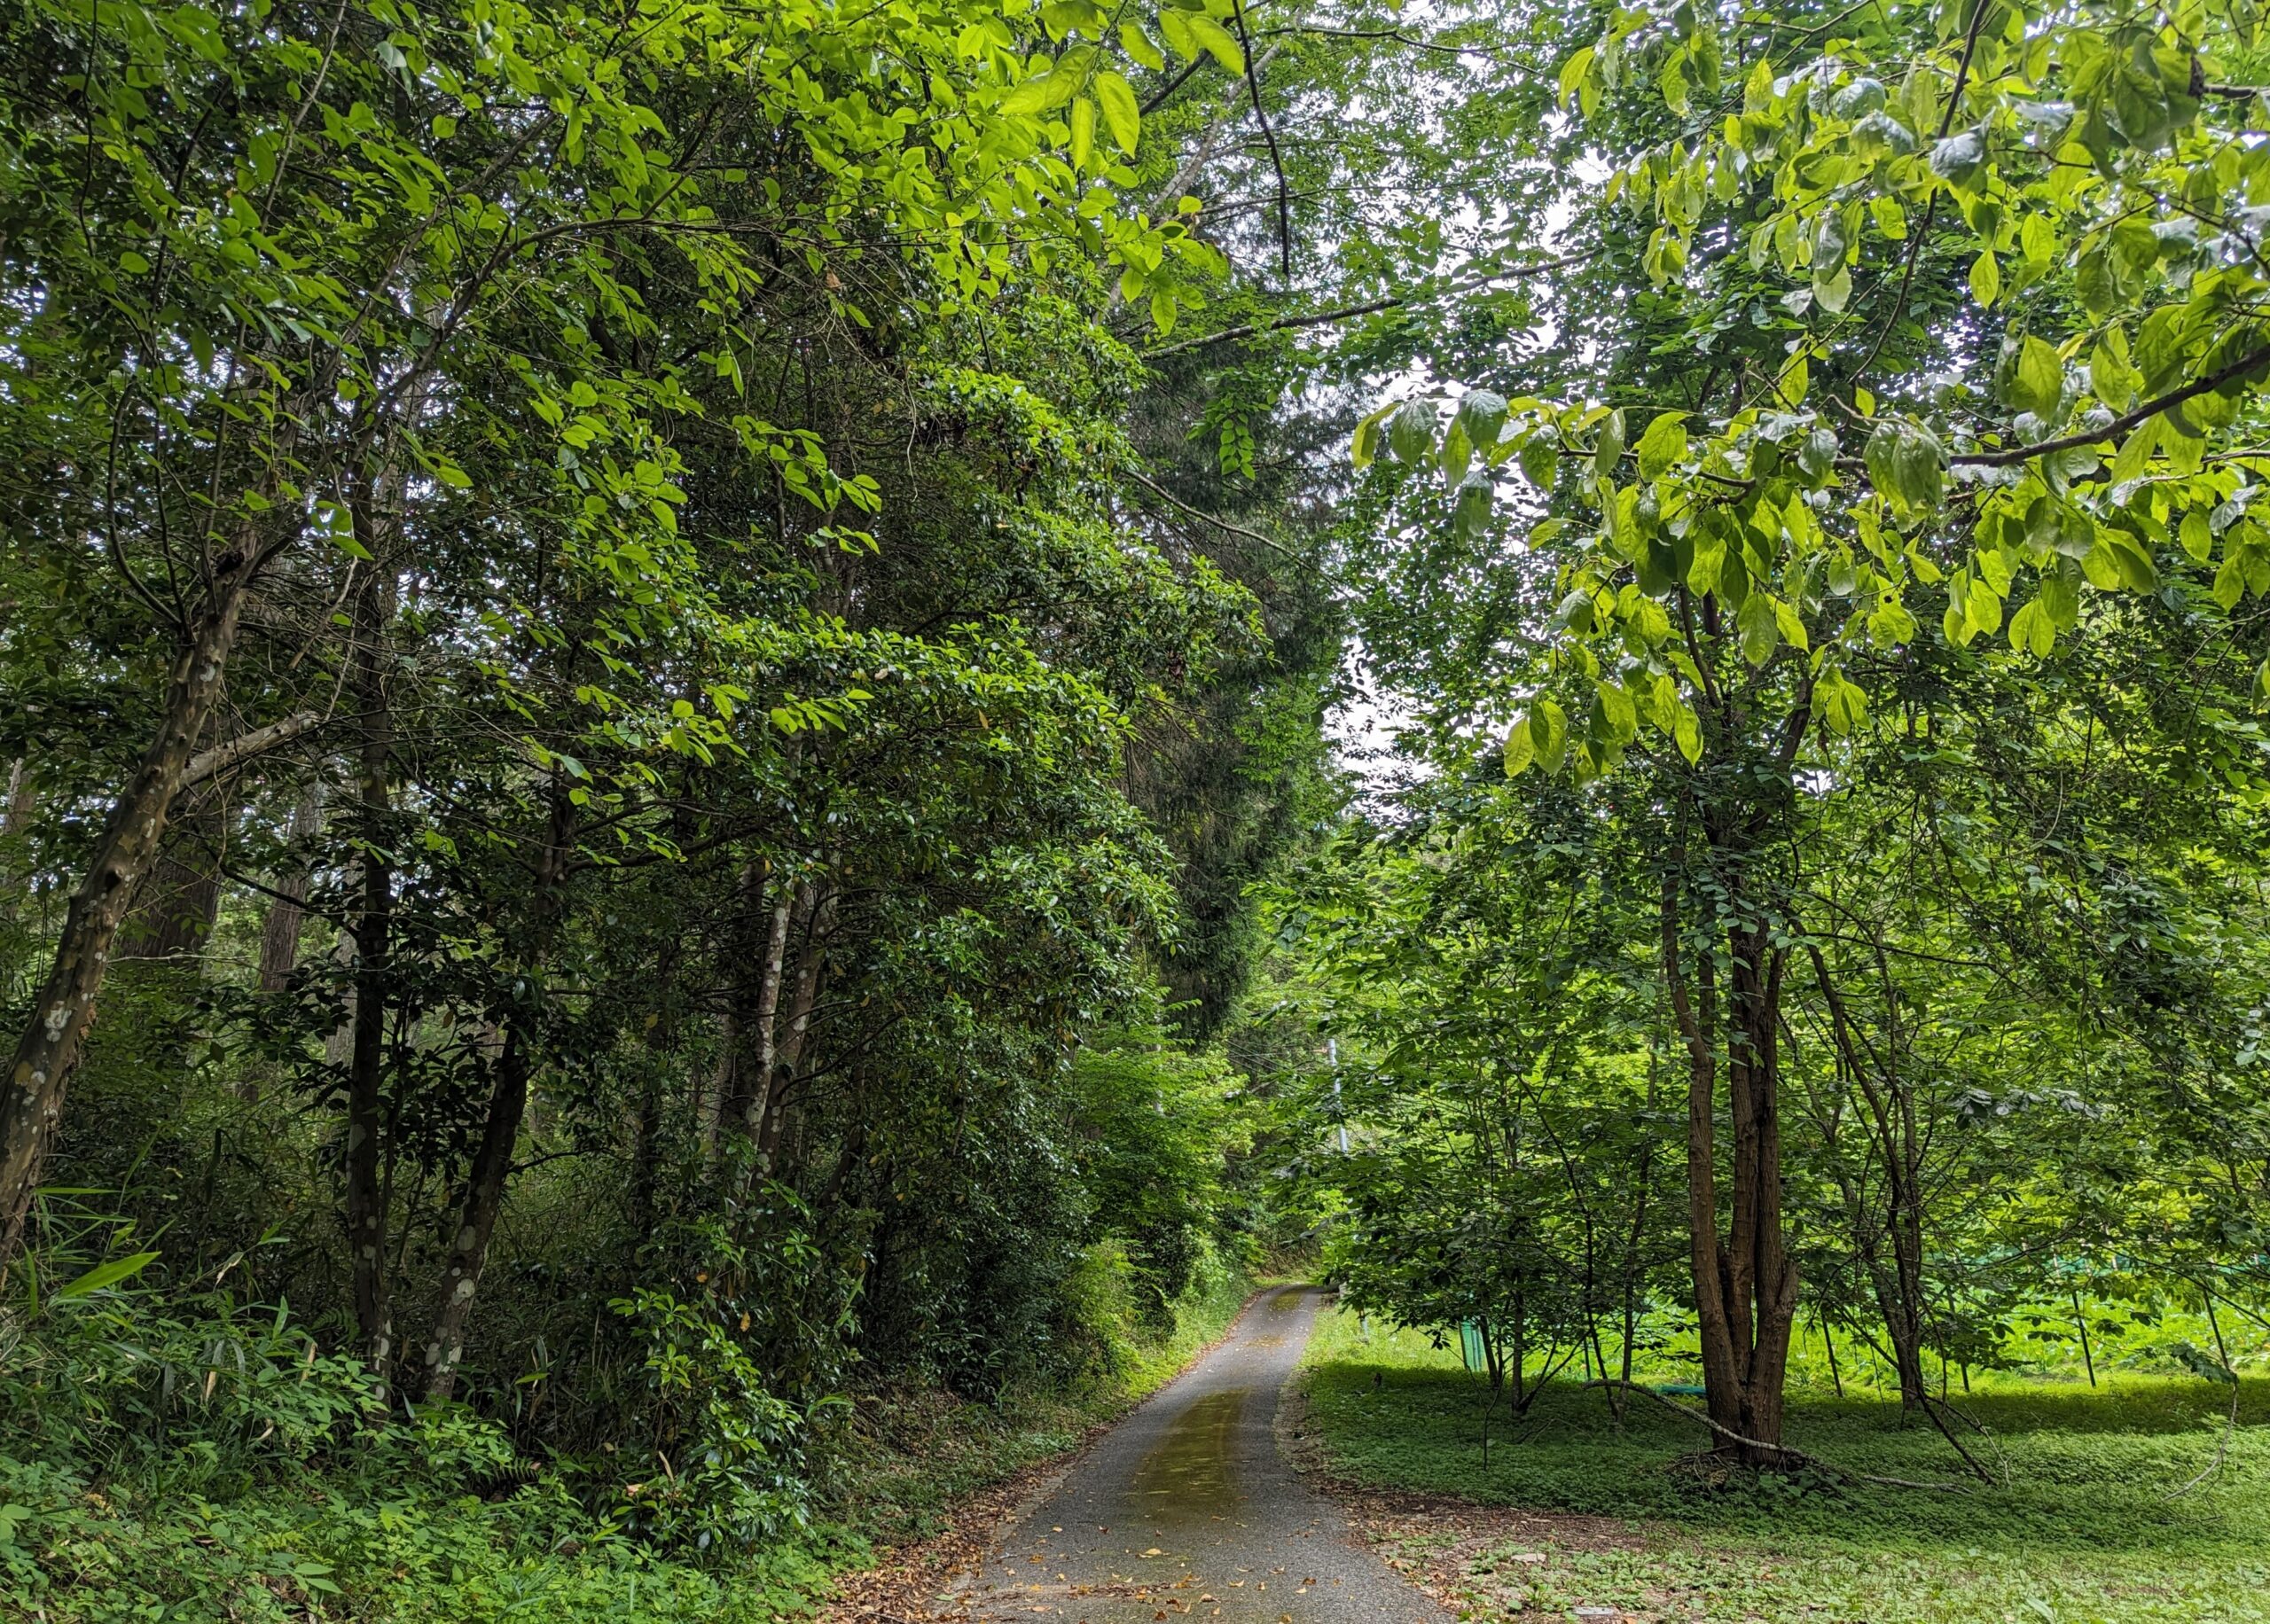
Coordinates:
[1187,1511]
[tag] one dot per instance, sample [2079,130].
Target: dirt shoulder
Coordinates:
[1478,1560]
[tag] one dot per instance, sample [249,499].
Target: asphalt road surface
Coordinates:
[1187,1511]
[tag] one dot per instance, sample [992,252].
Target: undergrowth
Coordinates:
[157,1464]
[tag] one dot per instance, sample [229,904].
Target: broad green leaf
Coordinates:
[1044,94]
[1662,445]
[1521,750]
[1471,511]
[1137,45]
[2030,629]
[1215,38]
[1482,414]
[1365,444]
[1573,74]
[1607,451]
[1411,432]
[2197,537]
[1760,628]
[1985,278]
[1121,115]
[1907,464]
[1174,24]
[2036,383]
[1548,728]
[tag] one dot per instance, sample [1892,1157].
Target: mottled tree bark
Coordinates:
[31,1102]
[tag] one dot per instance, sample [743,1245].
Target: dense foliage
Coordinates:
[664,686]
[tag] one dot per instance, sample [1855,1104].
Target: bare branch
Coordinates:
[207,763]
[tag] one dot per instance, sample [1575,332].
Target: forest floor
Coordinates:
[1576,1507]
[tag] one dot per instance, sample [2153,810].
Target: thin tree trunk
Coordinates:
[2081,1324]
[32,1103]
[492,1163]
[745,1063]
[1721,1373]
[373,934]
[484,1200]
[379,500]
[661,1046]
[804,996]
[287,914]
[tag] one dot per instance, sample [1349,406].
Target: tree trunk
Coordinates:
[492,1162]
[279,933]
[763,935]
[32,1103]
[178,901]
[1890,1116]
[484,1200]
[818,908]
[646,1124]
[1744,1283]
[373,936]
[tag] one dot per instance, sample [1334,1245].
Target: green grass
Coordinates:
[2084,1530]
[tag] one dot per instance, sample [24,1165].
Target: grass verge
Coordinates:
[1575,1506]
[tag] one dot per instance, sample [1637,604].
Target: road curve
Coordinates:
[1186,1510]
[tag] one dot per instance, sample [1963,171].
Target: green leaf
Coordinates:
[1175,26]
[1216,39]
[1687,732]
[1137,45]
[1411,432]
[1607,451]
[1521,750]
[1573,74]
[1710,558]
[1985,278]
[105,1274]
[1663,444]
[1121,115]
[1907,464]
[1548,728]
[1960,158]
[1482,414]
[2038,381]
[1760,628]
[1084,132]
[2059,597]
[1044,94]
[1365,444]
[1471,510]
[2197,537]
[2030,630]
